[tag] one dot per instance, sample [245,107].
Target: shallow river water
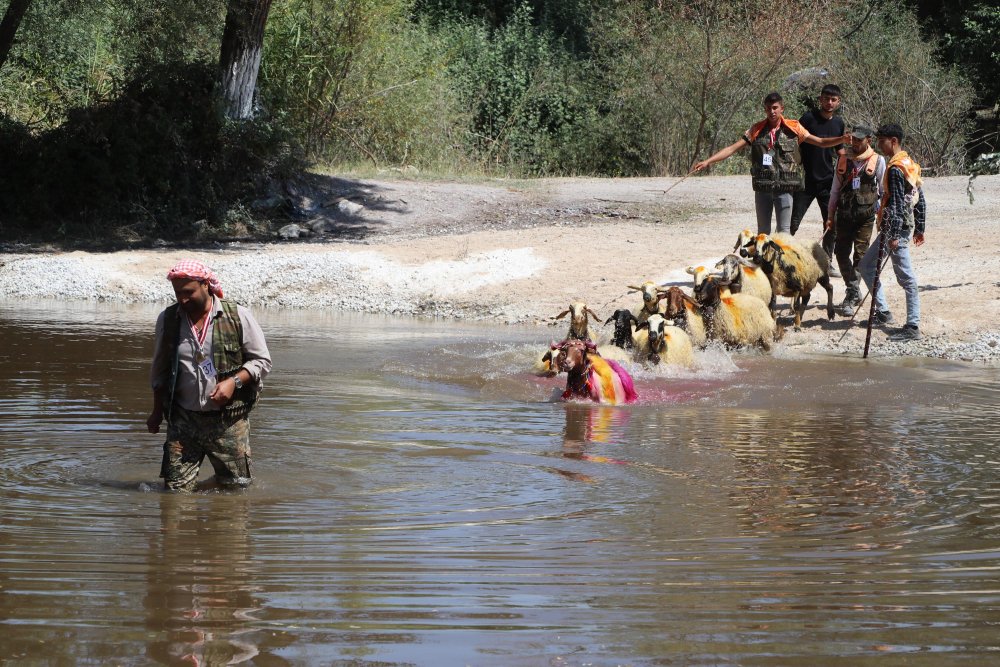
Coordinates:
[420,498]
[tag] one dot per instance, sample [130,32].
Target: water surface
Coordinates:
[419,498]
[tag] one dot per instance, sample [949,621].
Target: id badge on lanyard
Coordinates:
[205,363]
[767,160]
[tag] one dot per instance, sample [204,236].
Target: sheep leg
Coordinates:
[803,301]
[773,307]
[825,282]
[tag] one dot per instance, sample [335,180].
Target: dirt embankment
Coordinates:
[520,251]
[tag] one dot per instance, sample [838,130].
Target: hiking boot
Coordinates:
[848,307]
[907,333]
[882,317]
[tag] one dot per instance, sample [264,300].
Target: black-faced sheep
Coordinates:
[793,270]
[737,320]
[625,323]
[660,343]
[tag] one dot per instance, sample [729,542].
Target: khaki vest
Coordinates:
[227,355]
[785,173]
[857,205]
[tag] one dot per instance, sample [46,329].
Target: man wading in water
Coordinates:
[208,363]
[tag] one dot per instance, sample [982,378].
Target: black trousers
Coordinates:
[801,200]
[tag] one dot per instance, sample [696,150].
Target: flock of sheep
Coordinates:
[734,304]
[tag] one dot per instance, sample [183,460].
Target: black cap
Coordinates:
[861,132]
[890,130]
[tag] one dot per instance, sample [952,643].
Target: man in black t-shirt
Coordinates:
[818,164]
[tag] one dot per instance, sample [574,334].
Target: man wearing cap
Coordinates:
[775,162]
[854,202]
[902,215]
[817,165]
[209,360]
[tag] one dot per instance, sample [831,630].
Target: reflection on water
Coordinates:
[421,499]
[201,593]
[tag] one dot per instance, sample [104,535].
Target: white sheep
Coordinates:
[737,320]
[745,277]
[650,301]
[793,270]
[658,342]
[579,329]
[699,273]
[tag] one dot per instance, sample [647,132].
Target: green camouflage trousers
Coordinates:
[191,436]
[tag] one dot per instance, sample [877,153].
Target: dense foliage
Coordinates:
[110,131]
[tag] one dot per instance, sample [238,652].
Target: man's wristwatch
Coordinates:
[237,381]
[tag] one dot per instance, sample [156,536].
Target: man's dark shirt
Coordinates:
[819,163]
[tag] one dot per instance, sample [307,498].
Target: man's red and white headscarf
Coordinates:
[192,269]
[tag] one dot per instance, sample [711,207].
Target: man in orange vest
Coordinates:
[775,162]
[902,214]
[854,202]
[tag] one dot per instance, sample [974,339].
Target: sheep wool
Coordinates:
[608,382]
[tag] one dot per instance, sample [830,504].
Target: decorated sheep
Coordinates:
[590,376]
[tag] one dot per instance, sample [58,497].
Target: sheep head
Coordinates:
[650,295]
[578,312]
[745,236]
[713,290]
[676,302]
[572,354]
[623,319]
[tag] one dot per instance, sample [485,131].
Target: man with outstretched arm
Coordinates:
[775,162]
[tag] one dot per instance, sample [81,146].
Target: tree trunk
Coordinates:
[239,62]
[8,27]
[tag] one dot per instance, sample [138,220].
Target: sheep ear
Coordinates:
[609,320]
[690,270]
[594,315]
[644,325]
[633,288]
[561,315]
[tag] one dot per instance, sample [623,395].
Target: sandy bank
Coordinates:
[518,252]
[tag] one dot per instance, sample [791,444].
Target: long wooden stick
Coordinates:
[874,291]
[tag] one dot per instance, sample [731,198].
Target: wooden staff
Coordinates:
[874,291]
